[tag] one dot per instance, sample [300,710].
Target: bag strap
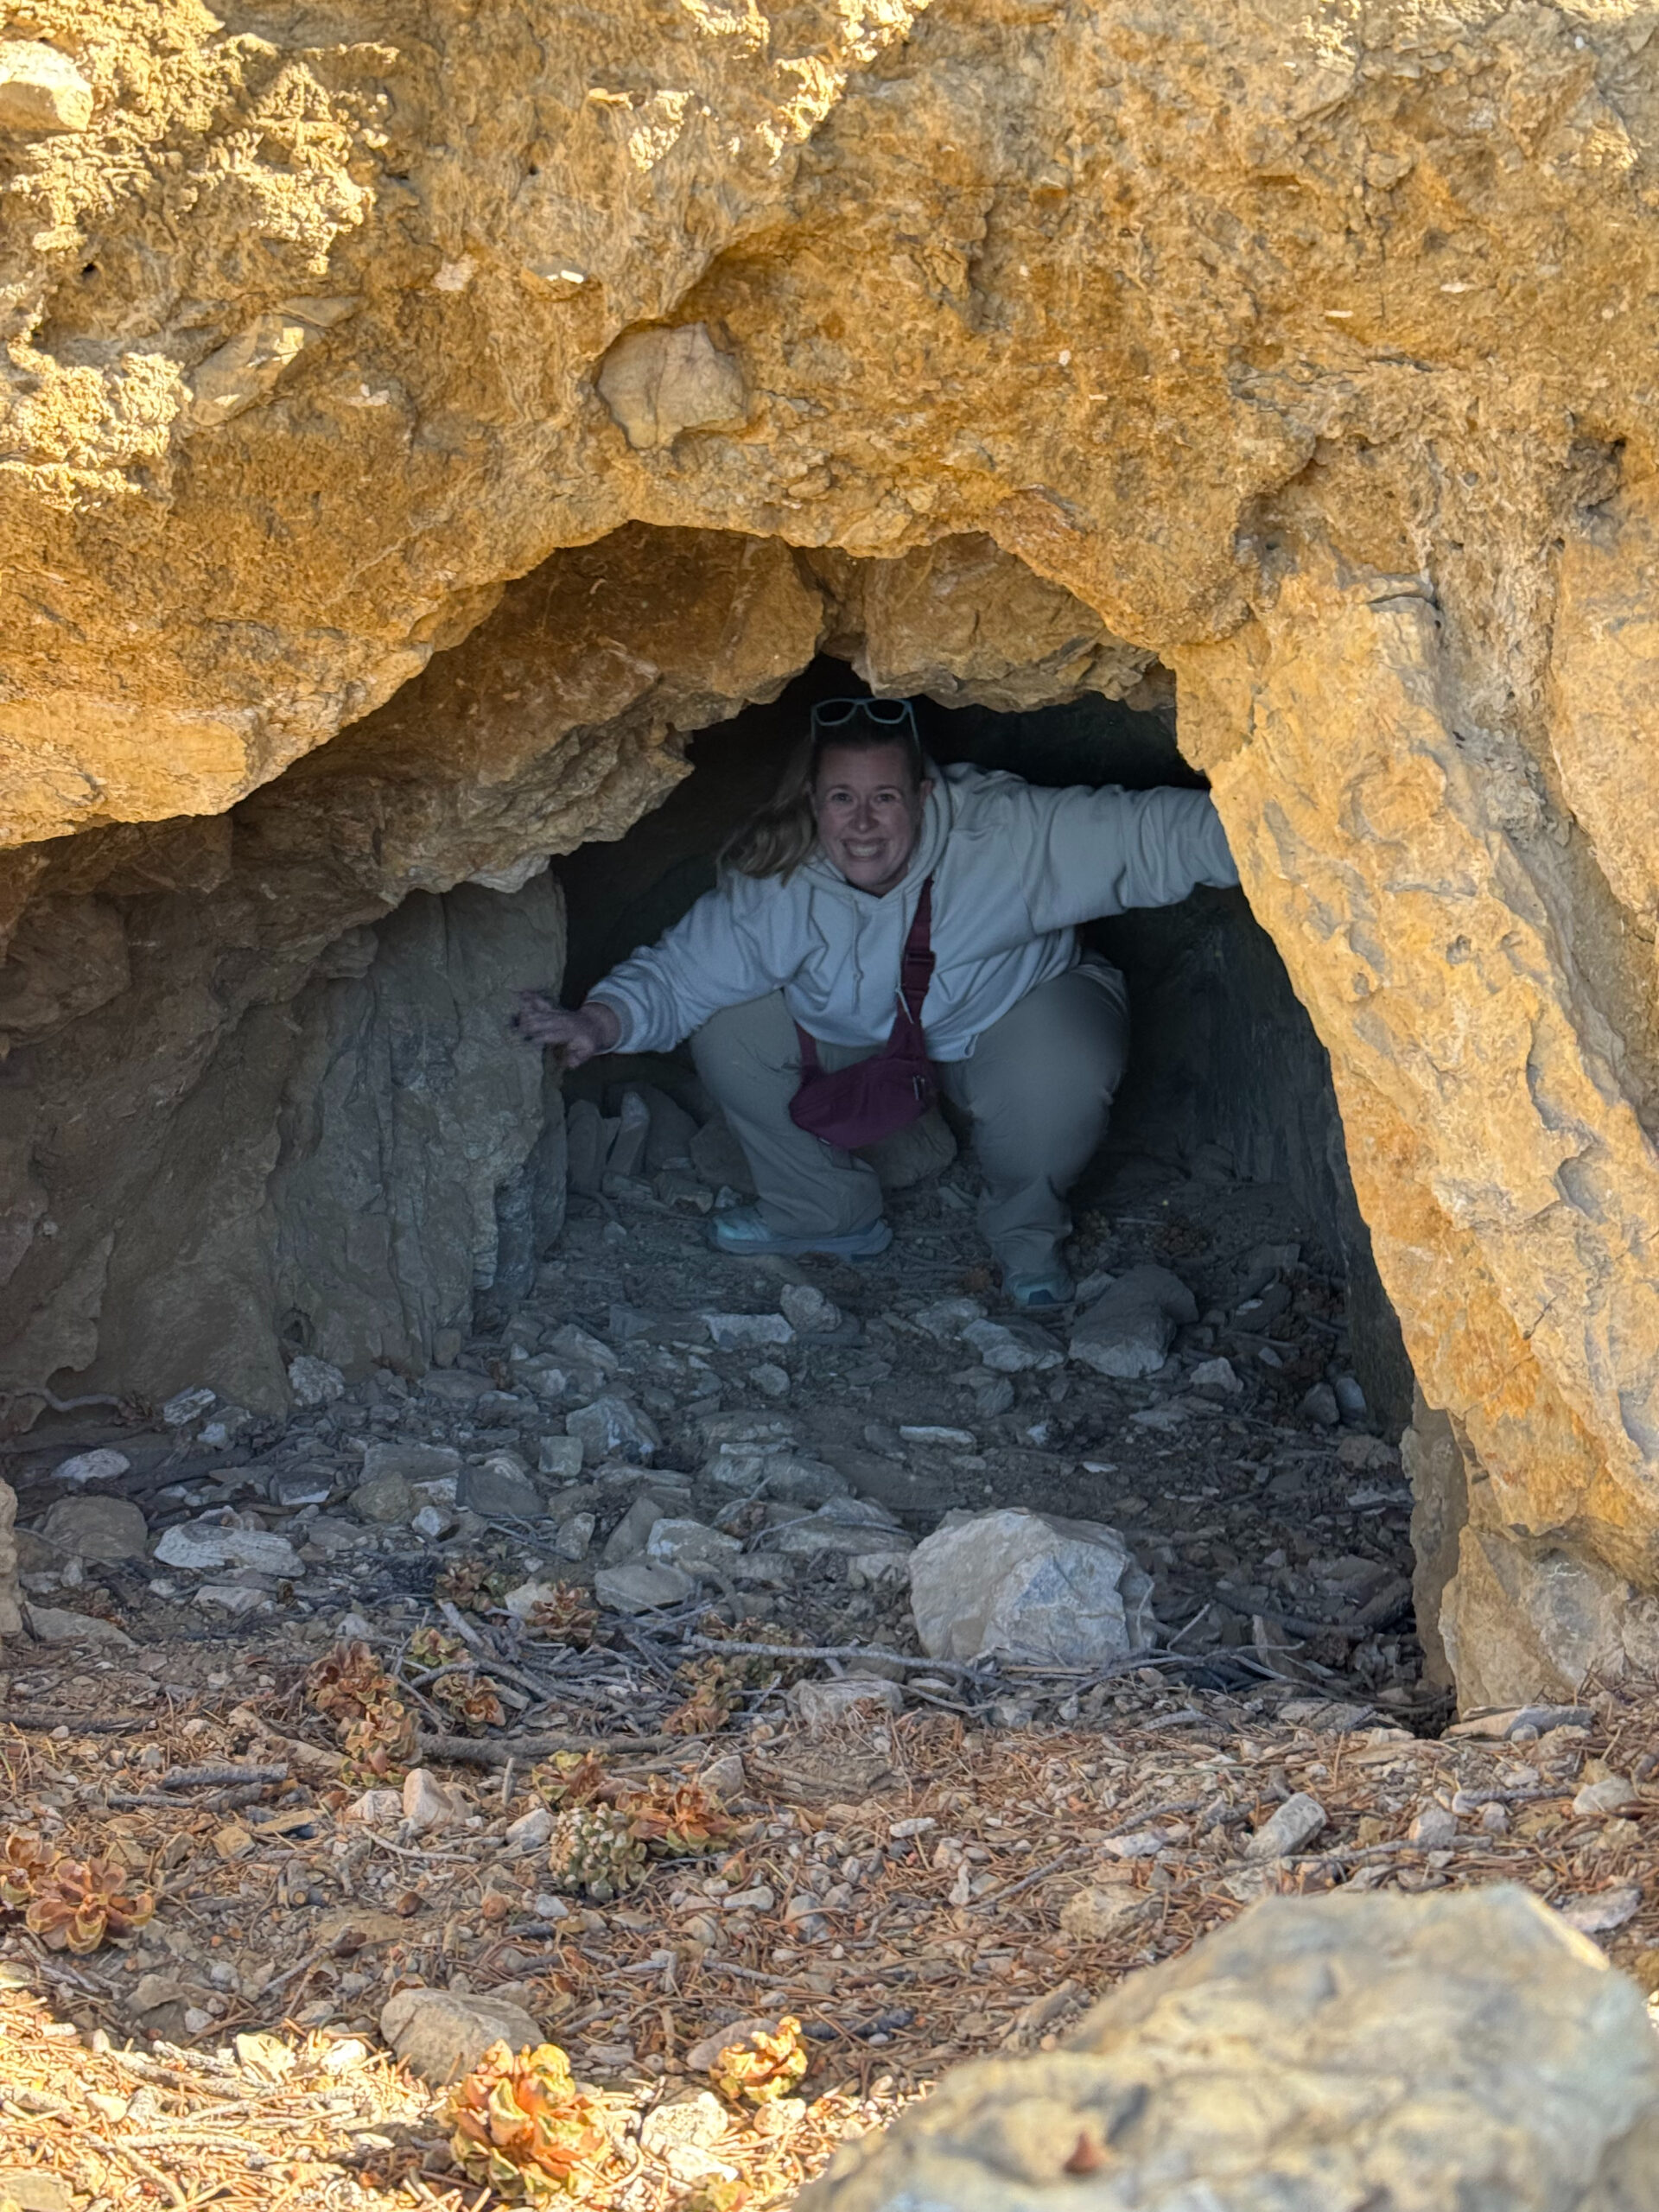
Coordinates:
[915,967]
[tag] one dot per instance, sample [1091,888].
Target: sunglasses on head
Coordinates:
[886,714]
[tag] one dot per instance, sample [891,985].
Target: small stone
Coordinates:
[431,1522]
[103,1529]
[293,1487]
[747,1332]
[1597,1800]
[455,1386]
[704,2056]
[578,1349]
[427,1803]
[560,1456]
[939,1437]
[1320,1406]
[691,1545]
[639,1587]
[993,1393]
[378,1808]
[760,1898]
[42,92]
[530,1830]
[947,1318]
[500,1490]
[31,2188]
[1012,1348]
[1603,1909]
[1495,1819]
[383,1503]
[681,1192]
[575,1534]
[612,1428]
[440,2034]
[632,1532]
[55,1624]
[237,1599]
[1351,1398]
[724,1776]
[411,1463]
[1435,1829]
[773,1380]
[808,1310]
[188,1405]
[1091,1915]
[1295,1822]
[1215,1375]
[822,1705]
[692,2122]
[315,1381]
[101,1467]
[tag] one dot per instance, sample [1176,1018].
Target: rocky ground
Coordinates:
[321,1690]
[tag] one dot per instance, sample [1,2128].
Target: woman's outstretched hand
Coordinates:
[592,1028]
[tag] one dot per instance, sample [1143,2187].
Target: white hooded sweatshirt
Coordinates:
[1015,866]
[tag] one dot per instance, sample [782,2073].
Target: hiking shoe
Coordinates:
[741,1232]
[1055,1288]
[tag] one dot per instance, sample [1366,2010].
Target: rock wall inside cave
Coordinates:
[1307,350]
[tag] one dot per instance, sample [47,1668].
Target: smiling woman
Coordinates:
[877,916]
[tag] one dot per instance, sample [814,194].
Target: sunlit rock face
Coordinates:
[1308,350]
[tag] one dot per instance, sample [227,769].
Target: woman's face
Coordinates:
[870,813]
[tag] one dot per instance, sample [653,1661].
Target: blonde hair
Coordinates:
[782,834]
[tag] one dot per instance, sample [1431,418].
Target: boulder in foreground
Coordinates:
[1462,2050]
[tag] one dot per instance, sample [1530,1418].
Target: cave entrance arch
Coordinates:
[337,1150]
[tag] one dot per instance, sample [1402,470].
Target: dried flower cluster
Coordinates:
[673,1820]
[571,1779]
[765,2067]
[522,2127]
[567,1615]
[72,1905]
[714,1685]
[464,1696]
[377,1731]
[471,1584]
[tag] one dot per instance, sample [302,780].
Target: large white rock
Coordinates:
[1466,2050]
[1029,1586]
[204,1546]
[1128,1331]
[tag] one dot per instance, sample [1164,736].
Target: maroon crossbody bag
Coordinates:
[863,1103]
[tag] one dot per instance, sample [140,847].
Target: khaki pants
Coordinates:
[1037,1089]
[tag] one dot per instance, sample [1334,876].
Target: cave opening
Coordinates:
[1266,1500]
[369,1230]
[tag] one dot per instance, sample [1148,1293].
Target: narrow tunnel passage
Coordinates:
[1256,1469]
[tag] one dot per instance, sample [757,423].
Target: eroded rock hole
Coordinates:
[1254,1470]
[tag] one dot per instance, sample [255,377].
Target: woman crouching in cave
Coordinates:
[885,929]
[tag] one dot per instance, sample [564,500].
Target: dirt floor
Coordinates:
[911,1886]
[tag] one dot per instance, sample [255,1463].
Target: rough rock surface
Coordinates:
[442,2033]
[1308,350]
[1031,1587]
[11,1618]
[1378,2050]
